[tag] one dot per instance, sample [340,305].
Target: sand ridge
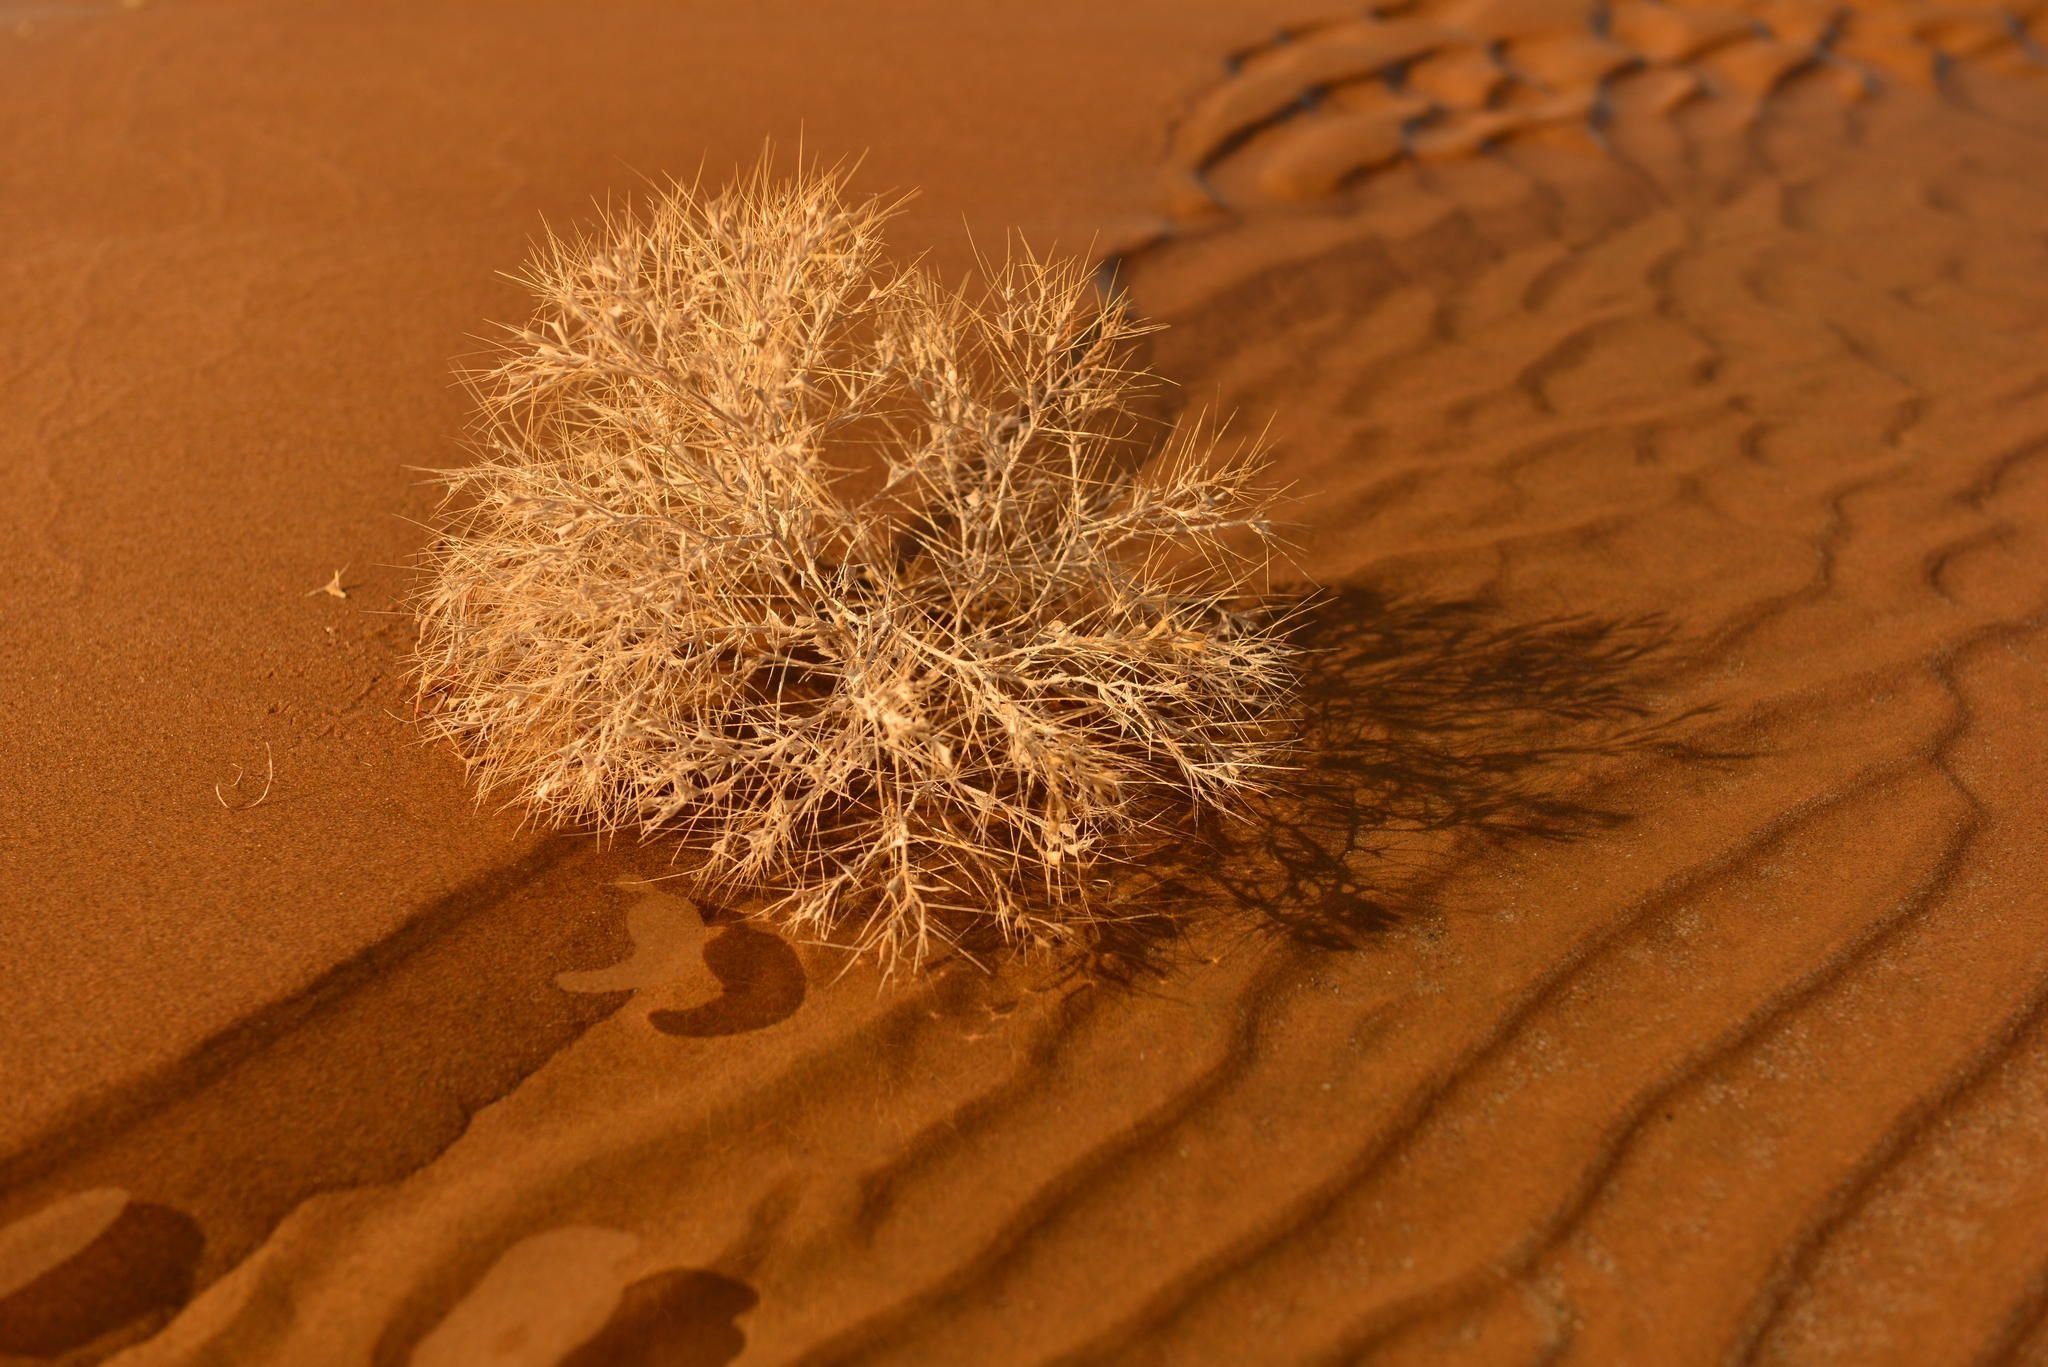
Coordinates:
[1652,970]
[1322,104]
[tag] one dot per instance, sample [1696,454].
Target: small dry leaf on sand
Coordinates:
[877,596]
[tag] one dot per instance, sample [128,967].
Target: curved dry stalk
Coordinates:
[875,595]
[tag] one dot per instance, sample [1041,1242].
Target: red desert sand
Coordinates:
[1648,963]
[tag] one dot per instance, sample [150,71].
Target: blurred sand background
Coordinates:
[1653,969]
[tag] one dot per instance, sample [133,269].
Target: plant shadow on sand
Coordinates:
[1431,729]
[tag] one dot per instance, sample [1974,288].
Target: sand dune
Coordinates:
[1649,967]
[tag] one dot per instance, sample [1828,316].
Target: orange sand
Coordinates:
[1653,966]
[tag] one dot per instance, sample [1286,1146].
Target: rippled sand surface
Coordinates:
[1652,965]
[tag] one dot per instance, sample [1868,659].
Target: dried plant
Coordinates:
[872,593]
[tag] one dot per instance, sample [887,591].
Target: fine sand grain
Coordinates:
[1651,964]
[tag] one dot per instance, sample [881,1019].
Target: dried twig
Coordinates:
[269,774]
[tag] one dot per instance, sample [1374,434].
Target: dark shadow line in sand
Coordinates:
[982,1274]
[88,1124]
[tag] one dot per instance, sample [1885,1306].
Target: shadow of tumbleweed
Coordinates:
[1428,728]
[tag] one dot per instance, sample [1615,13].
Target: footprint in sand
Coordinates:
[699,980]
[1320,106]
[88,1264]
[566,1298]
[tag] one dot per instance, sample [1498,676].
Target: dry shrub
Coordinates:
[875,594]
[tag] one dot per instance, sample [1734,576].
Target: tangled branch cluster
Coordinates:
[873,593]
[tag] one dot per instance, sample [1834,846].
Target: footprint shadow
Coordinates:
[685,1317]
[731,977]
[568,1296]
[762,983]
[132,1273]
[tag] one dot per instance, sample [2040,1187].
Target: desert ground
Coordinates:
[1650,965]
